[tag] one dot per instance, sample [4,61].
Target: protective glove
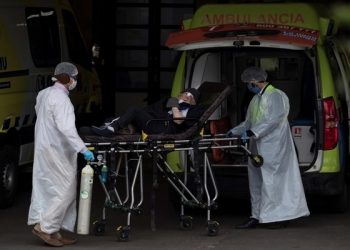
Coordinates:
[88,155]
[245,136]
[172,102]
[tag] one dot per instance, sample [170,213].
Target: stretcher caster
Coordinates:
[186,222]
[99,227]
[213,228]
[257,160]
[123,233]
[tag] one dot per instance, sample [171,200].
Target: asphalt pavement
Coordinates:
[321,230]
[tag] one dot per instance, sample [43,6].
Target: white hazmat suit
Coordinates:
[276,189]
[57,143]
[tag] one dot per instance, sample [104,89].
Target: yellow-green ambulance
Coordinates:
[296,44]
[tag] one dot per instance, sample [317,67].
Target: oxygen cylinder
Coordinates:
[87,179]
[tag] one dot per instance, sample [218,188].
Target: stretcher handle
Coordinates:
[257,160]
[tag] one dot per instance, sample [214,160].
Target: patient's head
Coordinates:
[190,95]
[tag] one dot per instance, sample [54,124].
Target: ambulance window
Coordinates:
[76,46]
[207,68]
[43,36]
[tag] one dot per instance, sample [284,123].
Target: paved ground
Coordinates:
[322,230]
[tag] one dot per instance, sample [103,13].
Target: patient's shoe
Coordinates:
[103,130]
[109,121]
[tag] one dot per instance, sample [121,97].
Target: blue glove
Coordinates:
[244,137]
[88,155]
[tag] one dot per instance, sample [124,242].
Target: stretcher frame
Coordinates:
[130,205]
[156,145]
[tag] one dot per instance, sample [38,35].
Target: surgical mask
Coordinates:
[253,88]
[73,85]
[184,105]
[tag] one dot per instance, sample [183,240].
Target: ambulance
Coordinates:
[296,43]
[34,37]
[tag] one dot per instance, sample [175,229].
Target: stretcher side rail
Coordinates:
[205,143]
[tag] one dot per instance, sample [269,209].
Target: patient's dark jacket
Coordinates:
[156,119]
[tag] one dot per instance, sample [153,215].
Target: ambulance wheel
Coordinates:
[9,175]
[186,222]
[213,228]
[99,228]
[123,233]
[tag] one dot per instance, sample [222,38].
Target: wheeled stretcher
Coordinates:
[121,151]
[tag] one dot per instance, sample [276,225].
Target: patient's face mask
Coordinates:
[253,88]
[184,105]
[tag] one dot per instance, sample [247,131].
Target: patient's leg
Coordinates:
[139,117]
[134,115]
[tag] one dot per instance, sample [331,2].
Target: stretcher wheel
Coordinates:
[257,160]
[213,228]
[186,222]
[123,233]
[99,227]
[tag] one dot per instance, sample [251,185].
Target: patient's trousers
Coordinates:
[142,120]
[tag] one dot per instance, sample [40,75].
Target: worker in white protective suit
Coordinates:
[276,189]
[53,202]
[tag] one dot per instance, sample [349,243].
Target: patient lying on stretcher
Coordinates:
[165,116]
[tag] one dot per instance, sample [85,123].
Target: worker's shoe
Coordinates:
[47,238]
[276,225]
[64,240]
[249,224]
[103,130]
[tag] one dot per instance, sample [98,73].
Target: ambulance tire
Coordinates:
[9,175]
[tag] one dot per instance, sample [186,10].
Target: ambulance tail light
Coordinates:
[330,124]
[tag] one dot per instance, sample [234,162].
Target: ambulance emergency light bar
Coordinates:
[254,31]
